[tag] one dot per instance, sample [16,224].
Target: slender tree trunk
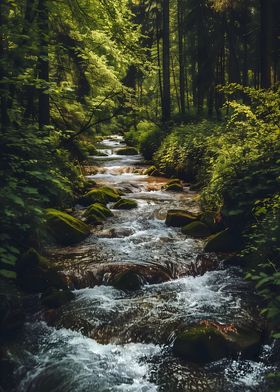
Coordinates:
[166,106]
[158,58]
[3,87]
[43,62]
[175,84]
[266,36]
[182,80]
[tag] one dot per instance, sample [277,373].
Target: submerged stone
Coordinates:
[127,280]
[127,151]
[209,341]
[64,228]
[125,204]
[196,229]
[53,298]
[224,241]
[179,218]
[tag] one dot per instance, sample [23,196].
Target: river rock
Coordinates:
[35,273]
[127,151]
[101,195]
[151,171]
[179,218]
[209,341]
[97,213]
[64,228]
[196,229]
[174,187]
[125,204]
[224,241]
[53,298]
[127,280]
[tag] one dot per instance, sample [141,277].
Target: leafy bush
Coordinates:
[184,151]
[147,138]
[35,173]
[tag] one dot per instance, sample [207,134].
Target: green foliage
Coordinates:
[183,152]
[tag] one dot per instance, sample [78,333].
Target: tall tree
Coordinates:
[181,55]
[43,62]
[266,42]
[166,101]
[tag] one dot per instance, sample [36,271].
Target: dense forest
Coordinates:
[190,87]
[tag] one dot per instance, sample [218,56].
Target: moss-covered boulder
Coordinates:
[196,229]
[97,213]
[211,341]
[179,218]
[53,298]
[151,171]
[127,151]
[127,280]
[35,273]
[174,187]
[64,228]
[125,204]
[101,195]
[224,241]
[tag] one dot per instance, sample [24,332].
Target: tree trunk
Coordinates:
[182,81]
[166,104]
[43,63]
[4,88]
[266,42]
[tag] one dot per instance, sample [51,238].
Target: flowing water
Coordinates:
[111,340]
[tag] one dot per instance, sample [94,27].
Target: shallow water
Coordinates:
[110,340]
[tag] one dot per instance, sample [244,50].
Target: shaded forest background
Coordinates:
[194,84]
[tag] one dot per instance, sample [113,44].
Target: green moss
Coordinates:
[200,344]
[125,204]
[151,171]
[196,229]
[211,342]
[179,218]
[64,228]
[101,195]
[54,298]
[224,241]
[127,151]
[174,187]
[97,213]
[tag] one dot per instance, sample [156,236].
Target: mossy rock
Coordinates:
[151,171]
[101,195]
[179,218]
[125,204]
[64,228]
[209,342]
[196,229]
[174,181]
[127,280]
[97,213]
[224,241]
[35,273]
[127,151]
[174,187]
[53,298]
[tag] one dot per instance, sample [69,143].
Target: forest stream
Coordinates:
[115,340]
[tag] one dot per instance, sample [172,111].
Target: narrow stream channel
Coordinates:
[110,340]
